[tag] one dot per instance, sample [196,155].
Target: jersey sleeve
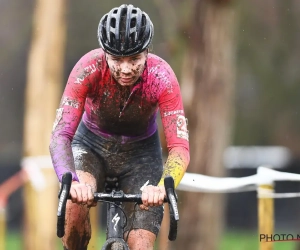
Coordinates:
[175,128]
[69,113]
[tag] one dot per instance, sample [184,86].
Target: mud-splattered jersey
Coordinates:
[93,96]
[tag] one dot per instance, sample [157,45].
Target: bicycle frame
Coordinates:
[115,214]
[115,218]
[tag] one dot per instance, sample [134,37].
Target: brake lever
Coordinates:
[63,196]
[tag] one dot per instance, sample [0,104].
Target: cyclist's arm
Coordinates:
[69,114]
[175,130]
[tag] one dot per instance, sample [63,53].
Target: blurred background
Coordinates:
[237,63]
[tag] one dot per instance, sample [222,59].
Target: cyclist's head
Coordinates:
[125,31]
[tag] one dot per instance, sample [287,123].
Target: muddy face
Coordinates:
[127,70]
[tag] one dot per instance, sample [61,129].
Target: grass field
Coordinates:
[231,241]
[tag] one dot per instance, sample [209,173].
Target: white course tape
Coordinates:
[269,193]
[32,165]
[191,182]
[274,175]
[201,183]
[265,176]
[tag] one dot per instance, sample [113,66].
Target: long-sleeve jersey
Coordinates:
[93,96]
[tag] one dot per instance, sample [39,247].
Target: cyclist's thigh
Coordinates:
[86,159]
[146,165]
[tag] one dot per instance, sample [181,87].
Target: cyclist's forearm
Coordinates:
[62,157]
[176,165]
[64,128]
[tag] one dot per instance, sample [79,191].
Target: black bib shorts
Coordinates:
[133,163]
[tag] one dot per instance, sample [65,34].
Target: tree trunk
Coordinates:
[44,75]
[43,90]
[207,89]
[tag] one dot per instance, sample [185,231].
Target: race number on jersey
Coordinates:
[182,131]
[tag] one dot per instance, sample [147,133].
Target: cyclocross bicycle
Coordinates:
[116,217]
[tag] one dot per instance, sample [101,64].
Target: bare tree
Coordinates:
[207,80]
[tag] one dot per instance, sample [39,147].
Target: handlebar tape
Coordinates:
[174,214]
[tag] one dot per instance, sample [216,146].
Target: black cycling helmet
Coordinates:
[125,31]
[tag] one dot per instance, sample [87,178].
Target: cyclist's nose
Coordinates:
[125,68]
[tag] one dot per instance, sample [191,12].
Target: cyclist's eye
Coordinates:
[134,59]
[115,59]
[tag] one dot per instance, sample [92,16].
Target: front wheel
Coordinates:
[117,246]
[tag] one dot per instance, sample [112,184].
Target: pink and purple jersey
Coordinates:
[93,96]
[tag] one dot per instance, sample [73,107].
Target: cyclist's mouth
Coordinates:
[126,80]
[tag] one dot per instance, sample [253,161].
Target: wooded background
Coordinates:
[237,63]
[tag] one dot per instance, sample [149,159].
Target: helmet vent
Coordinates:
[113,23]
[133,22]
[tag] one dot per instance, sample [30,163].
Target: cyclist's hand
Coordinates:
[82,194]
[152,196]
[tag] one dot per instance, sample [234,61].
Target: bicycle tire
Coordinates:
[117,246]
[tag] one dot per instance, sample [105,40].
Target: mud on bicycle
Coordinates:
[116,217]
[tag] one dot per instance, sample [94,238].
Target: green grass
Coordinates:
[230,241]
[14,241]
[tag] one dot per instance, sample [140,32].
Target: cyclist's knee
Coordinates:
[76,240]
[141,239]
[68,249]
[75,247]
